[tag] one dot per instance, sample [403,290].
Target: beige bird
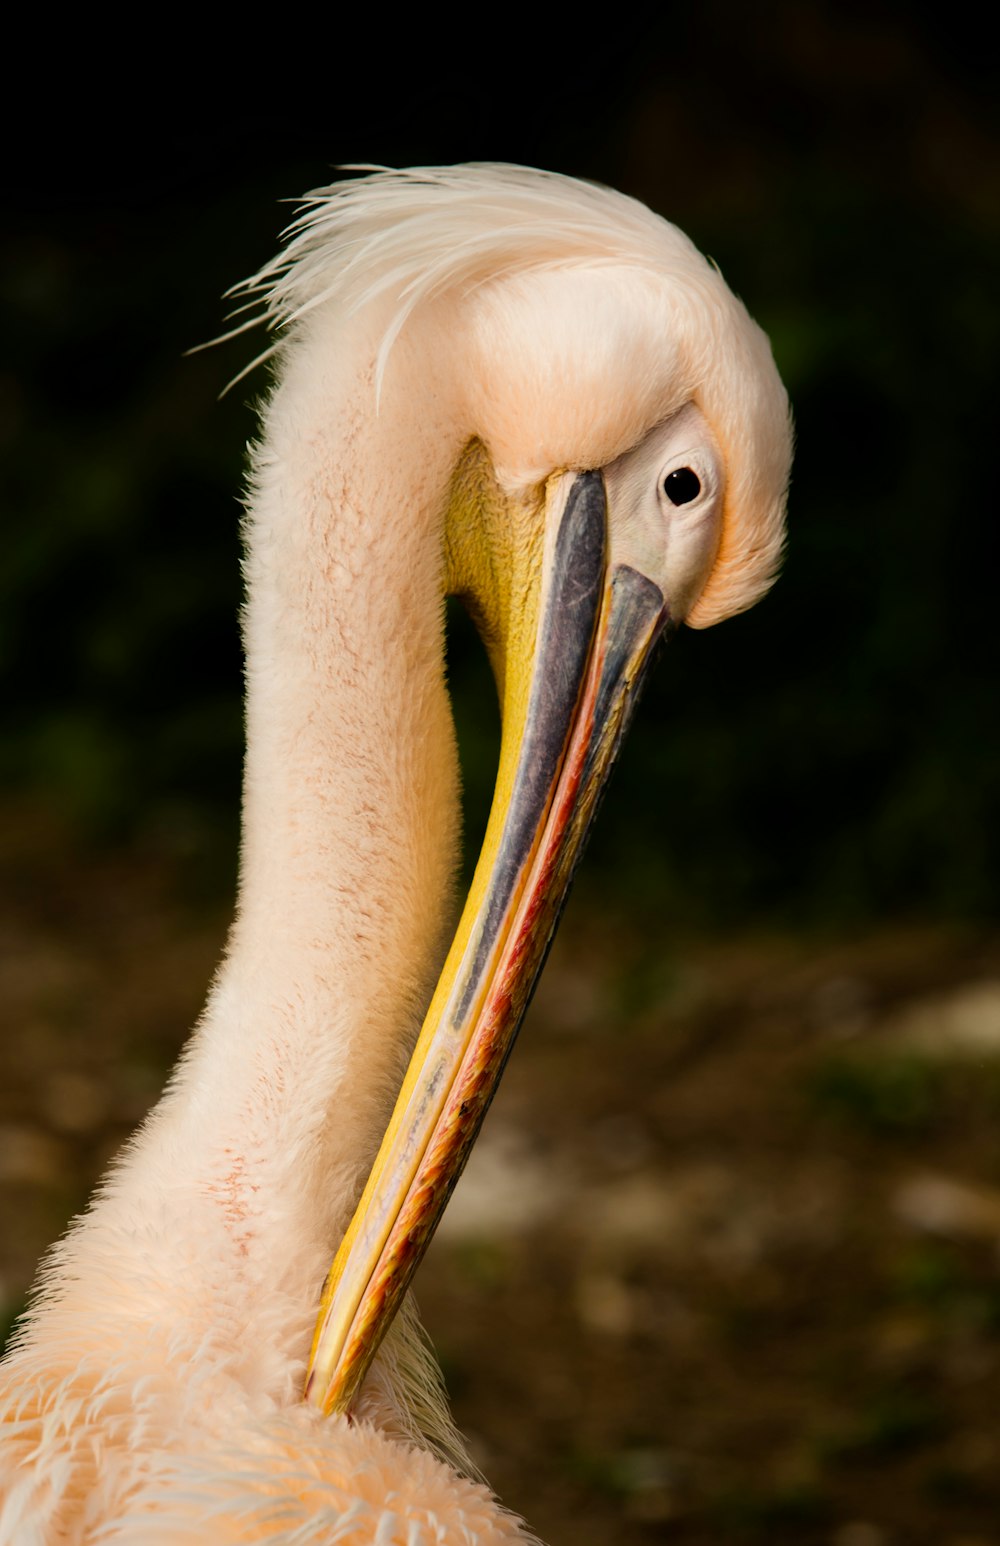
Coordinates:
[493,383]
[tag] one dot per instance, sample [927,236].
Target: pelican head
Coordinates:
[616,441]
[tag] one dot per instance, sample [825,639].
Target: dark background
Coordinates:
[831,755]
[821,770]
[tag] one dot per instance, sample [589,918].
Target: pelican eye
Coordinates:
[682,485]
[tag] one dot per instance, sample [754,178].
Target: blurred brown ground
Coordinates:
[725,1263]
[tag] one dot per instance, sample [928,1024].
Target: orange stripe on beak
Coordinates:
[594,640]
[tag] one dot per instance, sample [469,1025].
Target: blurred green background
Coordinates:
[753,1289]
[833,755]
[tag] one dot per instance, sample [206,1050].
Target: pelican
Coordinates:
[534,394]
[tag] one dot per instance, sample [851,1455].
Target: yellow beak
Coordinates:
[575,635]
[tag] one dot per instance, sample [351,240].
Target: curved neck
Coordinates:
[350,819]
[350,802]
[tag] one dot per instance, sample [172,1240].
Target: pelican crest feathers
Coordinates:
[414,234]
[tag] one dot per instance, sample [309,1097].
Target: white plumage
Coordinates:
[154,1394]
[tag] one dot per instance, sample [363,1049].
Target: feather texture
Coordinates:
[154,1391]
[411,235]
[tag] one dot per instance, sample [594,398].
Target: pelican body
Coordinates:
[536,395]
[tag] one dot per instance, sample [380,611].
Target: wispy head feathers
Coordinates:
[410,236]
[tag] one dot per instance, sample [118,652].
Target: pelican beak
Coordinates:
[575,633]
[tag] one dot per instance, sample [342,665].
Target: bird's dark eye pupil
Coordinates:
[682,485]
